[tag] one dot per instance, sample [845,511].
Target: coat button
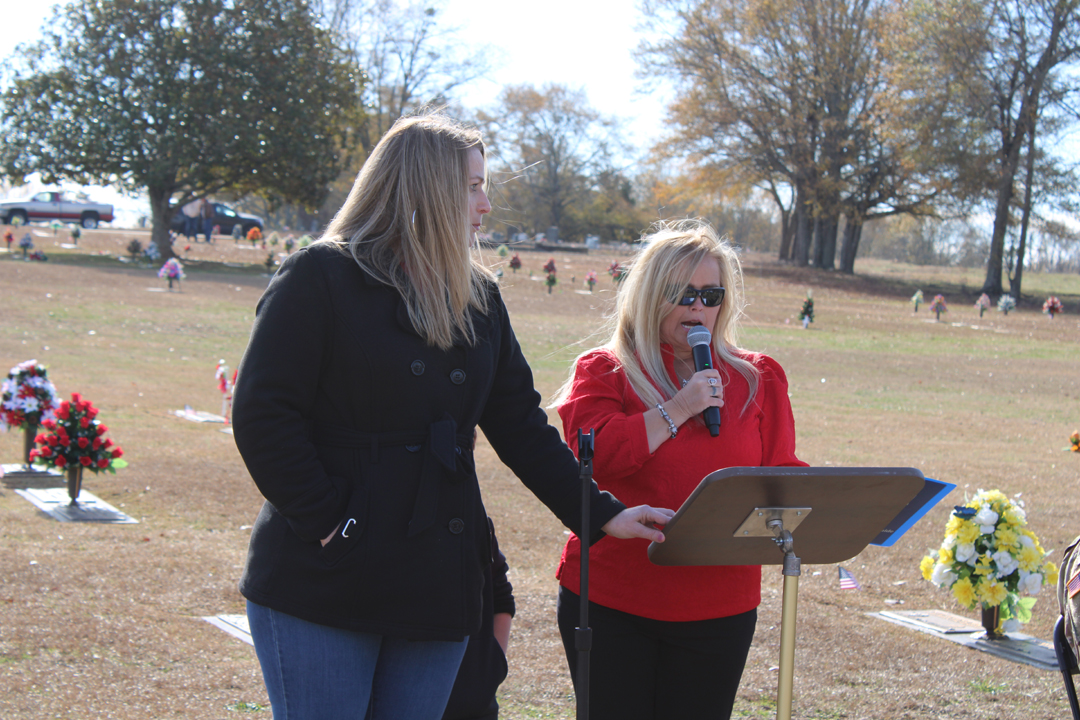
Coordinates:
[417,367]
[457,525]
[457,377]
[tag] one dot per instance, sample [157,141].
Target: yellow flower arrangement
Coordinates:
[989,557]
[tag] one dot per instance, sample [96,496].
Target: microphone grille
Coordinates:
[698,335]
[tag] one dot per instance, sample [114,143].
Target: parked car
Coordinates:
[55,205]
[224,217]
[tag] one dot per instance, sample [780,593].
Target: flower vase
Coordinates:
[991,622]
[74,482]
[28,443]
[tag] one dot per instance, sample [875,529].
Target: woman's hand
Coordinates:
[637,522]
[703,390]
[330,537]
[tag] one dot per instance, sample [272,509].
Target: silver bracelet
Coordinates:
[671,425]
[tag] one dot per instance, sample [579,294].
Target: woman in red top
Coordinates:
[670,642]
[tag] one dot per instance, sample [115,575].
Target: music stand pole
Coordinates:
[583,633]
[789,613]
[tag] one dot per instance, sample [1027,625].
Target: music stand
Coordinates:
[763,515]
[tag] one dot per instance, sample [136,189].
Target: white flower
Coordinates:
[1010,625]
[30,404]
[949,543]
[1030,583]
[986,519]
[1005,562]
[942,576]
[1026,541]
[966,553]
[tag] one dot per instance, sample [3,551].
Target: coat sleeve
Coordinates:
[777,422]
[518,430]
[275,391]
[597,400]
[502,589]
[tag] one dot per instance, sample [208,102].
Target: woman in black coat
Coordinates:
[374,355]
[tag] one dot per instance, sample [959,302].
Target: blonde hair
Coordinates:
[406,223]
[657,275]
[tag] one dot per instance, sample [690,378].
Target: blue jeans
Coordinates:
[315,672]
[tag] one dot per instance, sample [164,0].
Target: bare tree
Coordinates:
[409,55]
[554,151]
[789,97]
[999,64]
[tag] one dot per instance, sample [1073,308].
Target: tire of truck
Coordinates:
[10,219]
[90,221]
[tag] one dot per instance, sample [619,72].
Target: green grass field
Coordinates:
[102,621]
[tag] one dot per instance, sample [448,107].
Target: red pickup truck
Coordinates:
[54,205]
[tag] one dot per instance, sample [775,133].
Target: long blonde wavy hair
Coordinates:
[657,276]
[406,223]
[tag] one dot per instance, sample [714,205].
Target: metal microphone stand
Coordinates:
[583,633]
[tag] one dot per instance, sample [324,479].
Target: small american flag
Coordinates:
[847,580]
[1074,584]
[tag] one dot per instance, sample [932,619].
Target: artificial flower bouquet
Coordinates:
[590,279]
[29,398]
[172,269]
[989,557]
[76,437]
[1052,306]
[938,306]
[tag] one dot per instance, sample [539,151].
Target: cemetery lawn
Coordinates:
[104,620]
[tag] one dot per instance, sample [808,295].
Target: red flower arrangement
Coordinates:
[75,437]
[1052,306]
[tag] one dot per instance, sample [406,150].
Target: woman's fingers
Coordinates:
[638,522]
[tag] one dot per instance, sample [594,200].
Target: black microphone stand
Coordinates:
[583,633]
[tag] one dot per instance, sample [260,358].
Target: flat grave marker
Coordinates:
[55,503]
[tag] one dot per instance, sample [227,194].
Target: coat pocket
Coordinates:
[349,534]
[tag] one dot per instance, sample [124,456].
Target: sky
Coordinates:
[582,44]
[577,43]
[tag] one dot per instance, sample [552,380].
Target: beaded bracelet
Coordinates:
[671,425]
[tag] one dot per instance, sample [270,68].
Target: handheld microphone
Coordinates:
[700,340]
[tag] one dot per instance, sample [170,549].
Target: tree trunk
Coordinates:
[161,214]
[803,230]
[1018,277]
[825,243]
[850,248]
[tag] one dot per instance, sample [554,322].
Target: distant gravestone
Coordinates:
[552,234]
[235,625]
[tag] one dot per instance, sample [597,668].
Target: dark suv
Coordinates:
[224,217]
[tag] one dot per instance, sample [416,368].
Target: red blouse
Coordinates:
[620,574]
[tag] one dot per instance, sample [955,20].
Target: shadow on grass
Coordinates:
[885,286]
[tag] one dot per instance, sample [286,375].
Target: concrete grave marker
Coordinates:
[1015,646]
[55,503]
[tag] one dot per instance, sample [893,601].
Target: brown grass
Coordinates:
[102,621]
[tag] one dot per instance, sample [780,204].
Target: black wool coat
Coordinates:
[346,418]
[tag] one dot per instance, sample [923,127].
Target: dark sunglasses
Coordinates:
[710,297]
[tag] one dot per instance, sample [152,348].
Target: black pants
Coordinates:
[642,669]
